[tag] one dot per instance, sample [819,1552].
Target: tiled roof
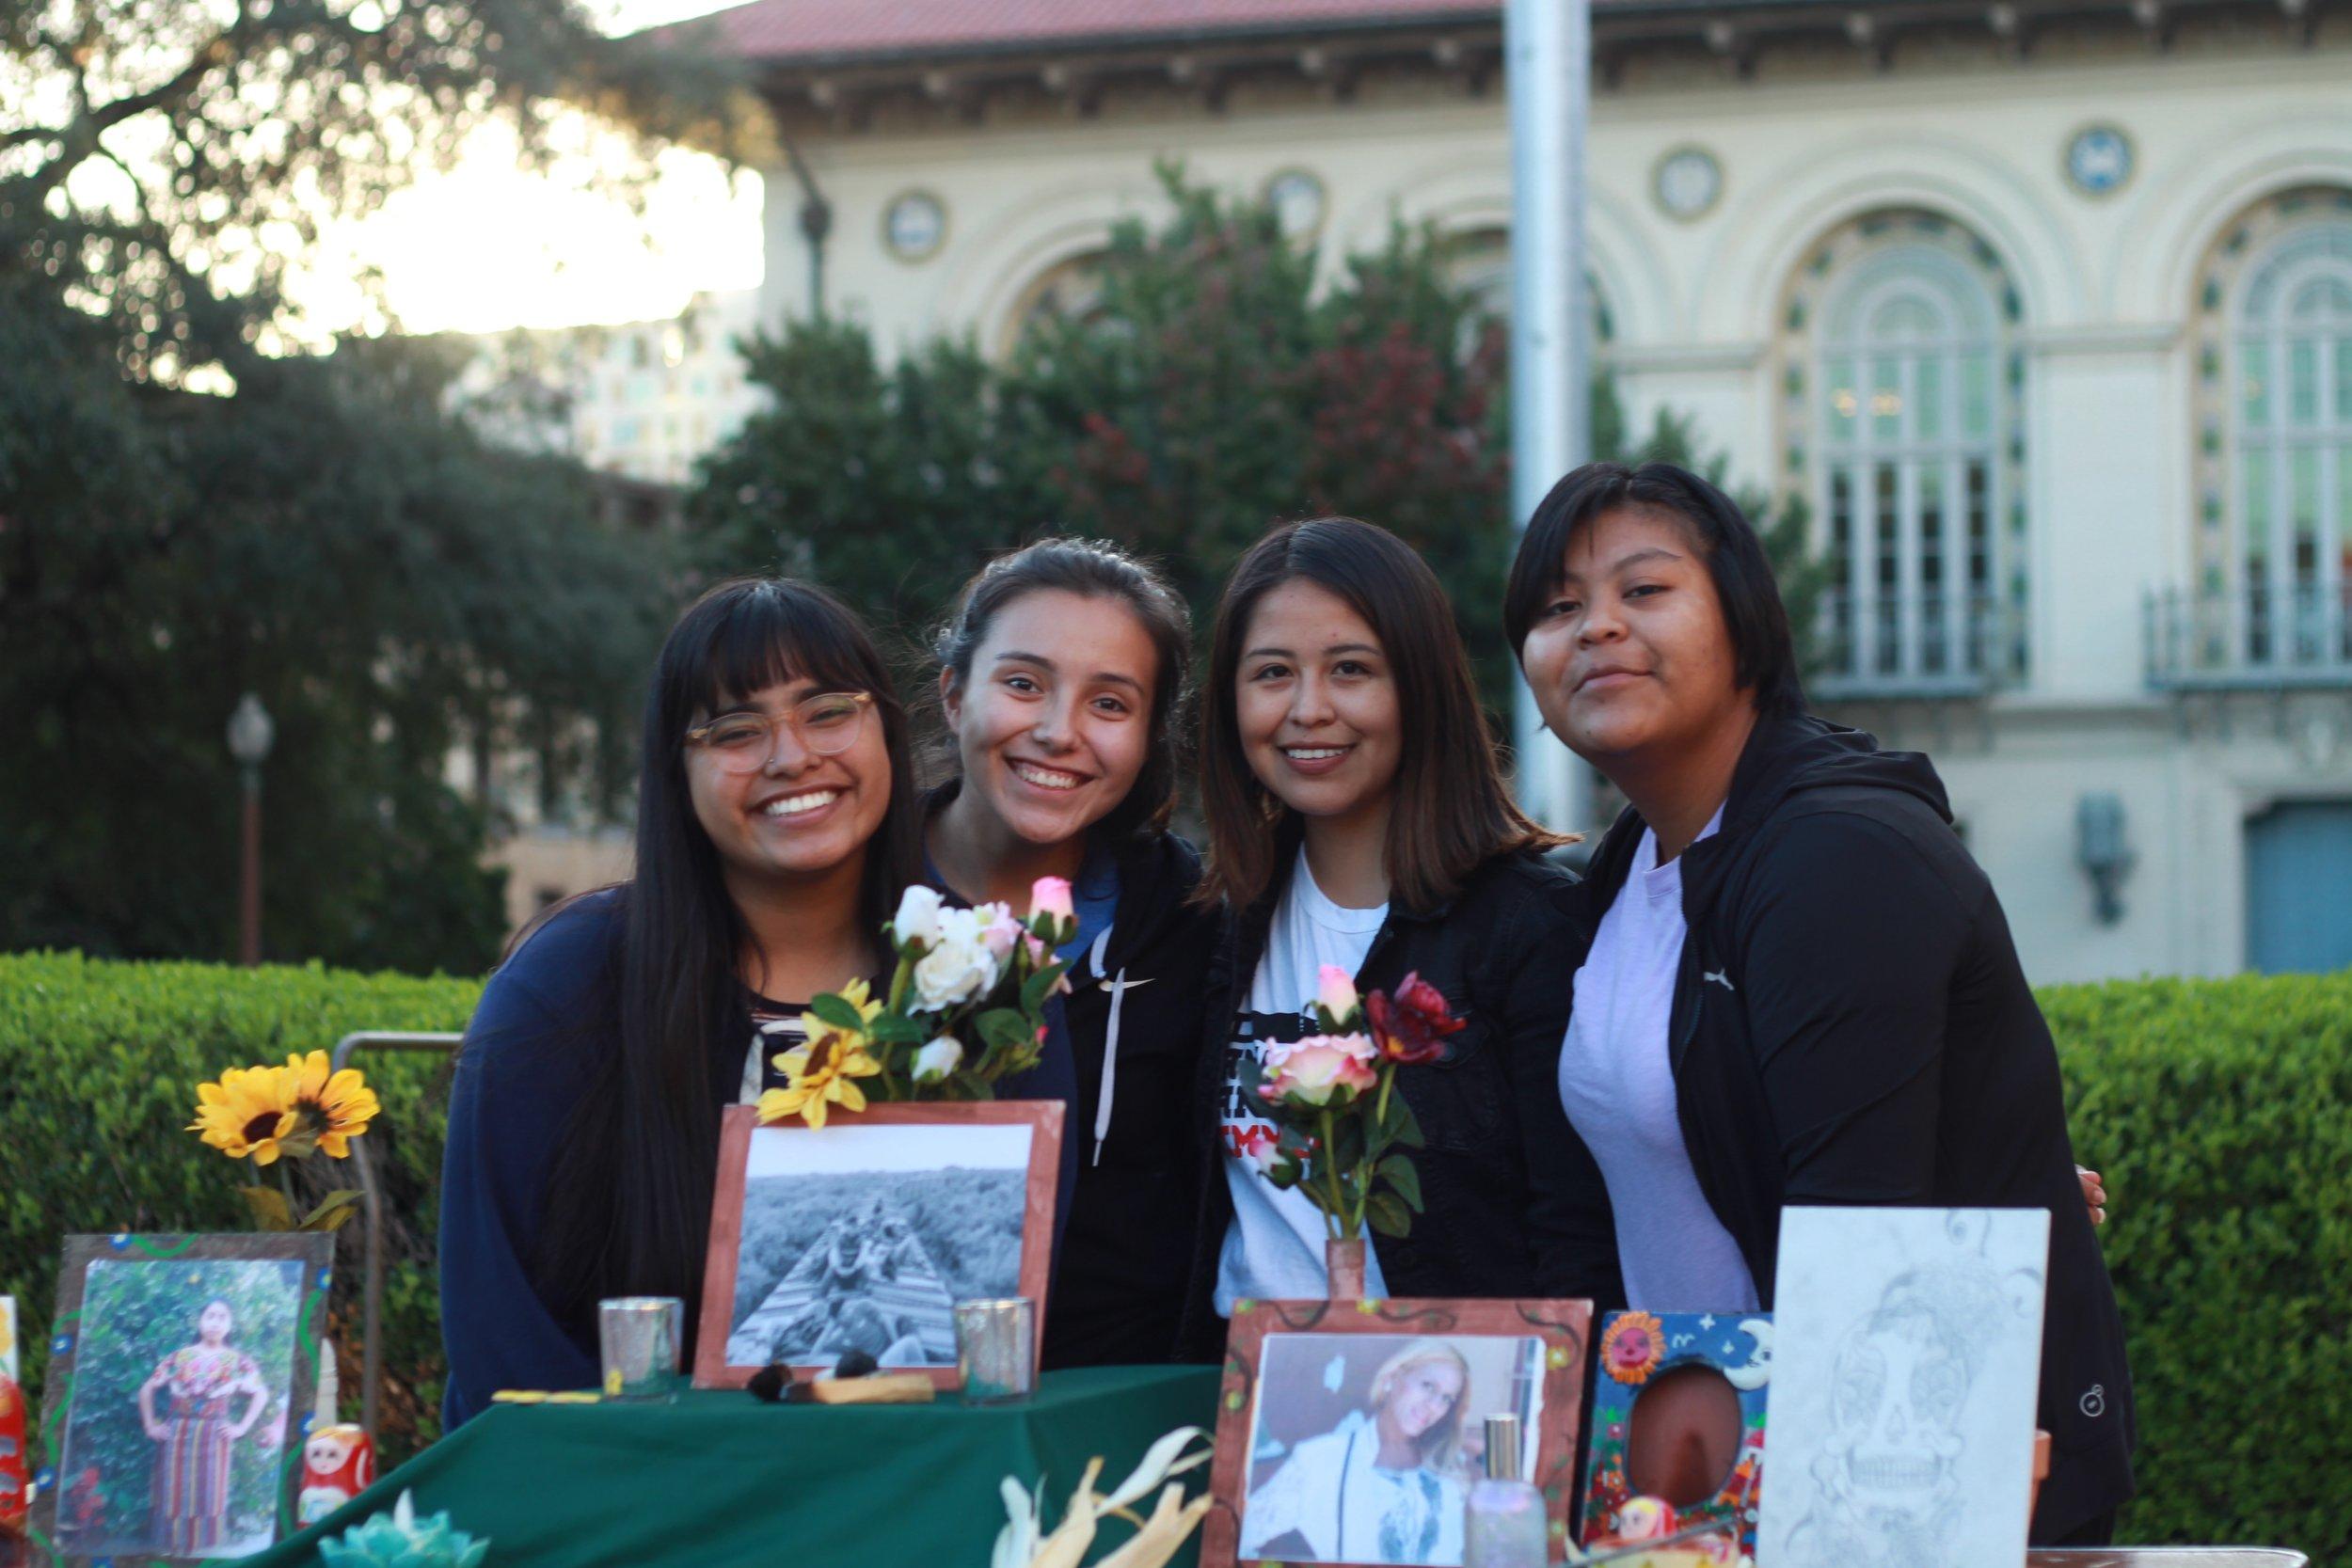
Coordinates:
[815,30]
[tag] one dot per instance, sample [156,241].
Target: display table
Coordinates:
[720,1478]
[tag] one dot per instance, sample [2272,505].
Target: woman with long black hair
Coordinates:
[776,826]
[1801,989]
[1358,818]
[1061,674]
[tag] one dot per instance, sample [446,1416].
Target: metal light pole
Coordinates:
[1547,48]
[250,732]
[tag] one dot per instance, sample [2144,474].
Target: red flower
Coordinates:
[1412,1028]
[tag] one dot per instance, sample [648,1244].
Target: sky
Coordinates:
[485,247]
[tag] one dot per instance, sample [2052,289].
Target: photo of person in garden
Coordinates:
[176,1429]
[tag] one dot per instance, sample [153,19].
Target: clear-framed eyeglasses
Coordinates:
[826,724]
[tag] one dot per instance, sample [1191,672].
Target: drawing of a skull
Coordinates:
[1896,1405]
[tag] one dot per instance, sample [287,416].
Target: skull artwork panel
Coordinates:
[1906,1354]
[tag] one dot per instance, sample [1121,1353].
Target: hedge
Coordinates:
[2217,1110]
[99,1064]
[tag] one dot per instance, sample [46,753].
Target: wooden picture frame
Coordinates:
[134,1316]
[843,1253]
[1278,1350]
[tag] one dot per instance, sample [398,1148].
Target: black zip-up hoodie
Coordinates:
[1137,1012]
[1851,1026]
[1506,1183]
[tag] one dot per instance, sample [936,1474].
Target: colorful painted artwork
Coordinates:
[1713,1370]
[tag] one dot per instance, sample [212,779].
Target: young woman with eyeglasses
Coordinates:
[1061,673]
[776,826]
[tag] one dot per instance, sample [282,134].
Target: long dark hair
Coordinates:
[1764,655]
[1093,569]
[629,1209]
[1452,811]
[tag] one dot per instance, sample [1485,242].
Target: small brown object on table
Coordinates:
[883,1388]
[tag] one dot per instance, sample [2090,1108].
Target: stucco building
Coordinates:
[2046,308]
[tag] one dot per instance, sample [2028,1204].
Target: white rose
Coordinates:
[917,919]
[959,968]
[938,1059]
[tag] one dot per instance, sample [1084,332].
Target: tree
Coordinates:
[318,530]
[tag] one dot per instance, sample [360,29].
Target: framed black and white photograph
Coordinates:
[1350,1432]
[179,1382]
[863,1234]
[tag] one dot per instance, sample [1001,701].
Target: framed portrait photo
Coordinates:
[179,1393]
[863,1234]
[1350,1432]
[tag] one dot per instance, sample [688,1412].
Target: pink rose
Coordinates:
[1001,931]
[1050,896]
[1316,1070]
[1335,992]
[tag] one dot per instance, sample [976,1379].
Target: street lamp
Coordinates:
[250,732]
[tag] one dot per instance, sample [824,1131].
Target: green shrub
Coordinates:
[2217,1111]
[2216,1108]
[99,1064]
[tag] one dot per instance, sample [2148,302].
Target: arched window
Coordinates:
[1070,290]
[2289,445]
[1903,425]
[1479,261]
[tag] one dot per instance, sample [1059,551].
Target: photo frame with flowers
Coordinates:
[1308,1384]
[1640,1351]
[178,1395]
[863,1233]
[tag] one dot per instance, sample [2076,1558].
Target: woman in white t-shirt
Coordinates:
[1358,817]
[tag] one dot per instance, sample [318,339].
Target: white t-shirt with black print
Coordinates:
[1274,1247]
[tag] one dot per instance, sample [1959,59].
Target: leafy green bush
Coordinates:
[99,1064]
[2216,1108]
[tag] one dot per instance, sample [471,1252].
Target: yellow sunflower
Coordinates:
[858,995]
[332,1107]
[247,1114]
[818,1075]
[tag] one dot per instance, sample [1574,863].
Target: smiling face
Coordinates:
[798,816]
[1421,1397]
[1053,721]
[214,1323]
[1316,704]
[1630,659]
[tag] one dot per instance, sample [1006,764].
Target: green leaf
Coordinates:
[1388,1216]
[836,1011]
[335,1211]
[899,1029]
[270,1209]
[1403,1180]
[1006,1030]
[1039,988]
[1407,1125]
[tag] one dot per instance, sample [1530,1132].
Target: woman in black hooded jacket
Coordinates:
[1828,1009]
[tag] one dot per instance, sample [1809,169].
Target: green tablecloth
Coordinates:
[720,1479]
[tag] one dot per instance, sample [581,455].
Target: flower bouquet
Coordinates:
[967,1006]
[1342,1124]
[269,1114]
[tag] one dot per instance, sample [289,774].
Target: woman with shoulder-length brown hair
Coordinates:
[1358,818]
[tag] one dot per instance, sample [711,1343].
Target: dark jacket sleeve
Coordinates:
[1854,935]
[1569,1222]
[507,1110]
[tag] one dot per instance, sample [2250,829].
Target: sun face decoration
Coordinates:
[1632,1347]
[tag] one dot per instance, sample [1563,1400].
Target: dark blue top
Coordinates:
[520,1077]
